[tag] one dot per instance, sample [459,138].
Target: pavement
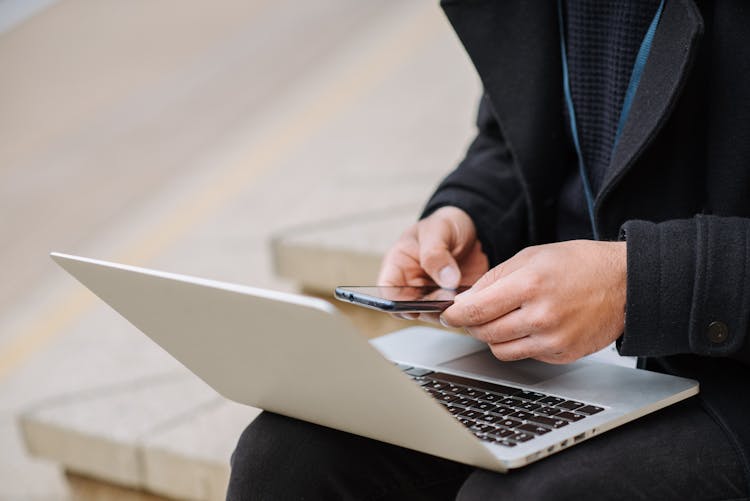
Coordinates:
[214,142]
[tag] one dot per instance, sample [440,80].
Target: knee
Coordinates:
[258,458]
[278,457]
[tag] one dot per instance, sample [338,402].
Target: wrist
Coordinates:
[619,263]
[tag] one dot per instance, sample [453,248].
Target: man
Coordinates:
[605,198]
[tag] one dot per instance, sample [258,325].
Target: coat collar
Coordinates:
[514,46]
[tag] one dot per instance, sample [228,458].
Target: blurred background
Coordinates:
[281,144]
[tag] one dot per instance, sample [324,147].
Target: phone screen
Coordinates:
[400,299]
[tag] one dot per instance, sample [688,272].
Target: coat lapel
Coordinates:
[514,46]
[672,53]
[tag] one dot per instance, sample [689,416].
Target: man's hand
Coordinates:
[441,249]
[555,303]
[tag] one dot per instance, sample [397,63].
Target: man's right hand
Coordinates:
[441,249]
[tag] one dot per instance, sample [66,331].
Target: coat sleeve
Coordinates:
[688,287]
[486,185]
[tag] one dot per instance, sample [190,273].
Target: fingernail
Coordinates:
[448,277]
[444,323]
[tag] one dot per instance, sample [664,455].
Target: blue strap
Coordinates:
[573,128]
[635,78]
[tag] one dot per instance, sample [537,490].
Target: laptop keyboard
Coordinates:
[500,414]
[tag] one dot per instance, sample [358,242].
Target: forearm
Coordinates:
[486,186]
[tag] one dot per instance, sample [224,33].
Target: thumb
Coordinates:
[435,257]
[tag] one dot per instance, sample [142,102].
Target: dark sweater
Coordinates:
[602,40]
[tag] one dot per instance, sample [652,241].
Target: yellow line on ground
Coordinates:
[280,144]
[41,332]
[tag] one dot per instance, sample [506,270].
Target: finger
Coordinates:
[402,275]
[514,325]
[500,271]
[435,245]
[401,264]
[486,305]
[556,358]
[530,347]
[518,349]
[432,318]
[407,316]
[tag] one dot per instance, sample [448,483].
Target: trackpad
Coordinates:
[524,372]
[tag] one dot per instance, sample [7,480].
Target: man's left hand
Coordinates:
[555,303]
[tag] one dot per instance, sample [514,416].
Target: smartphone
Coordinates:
[404,299]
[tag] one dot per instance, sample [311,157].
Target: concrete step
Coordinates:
[346,251]
[169,434]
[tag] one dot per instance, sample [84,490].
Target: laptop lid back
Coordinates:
[285,353]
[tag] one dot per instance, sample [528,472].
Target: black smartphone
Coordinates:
[404,299]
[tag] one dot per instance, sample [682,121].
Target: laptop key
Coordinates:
[471,414]
[483,428]
[530,406]
[491,397]
[437,385]
[521,415]
[570,416]
[531,395]
[471,392]
[590,410]
[521,437]
[455,410]
[506,443]
[501,410]
[548,411]
[534,429]
[490,418]
[511,423]
[570,405]
[511,402]
[551,400]
[548,421]
[484,406]
[445,398]
[465,421]
[433,392]
[465,402]
[501,432]
[417,372]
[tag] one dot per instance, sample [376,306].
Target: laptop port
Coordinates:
[579,437]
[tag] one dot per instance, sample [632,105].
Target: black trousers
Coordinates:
[677,453]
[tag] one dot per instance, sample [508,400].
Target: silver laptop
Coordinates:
[426,389]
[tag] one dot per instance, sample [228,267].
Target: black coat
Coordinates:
[678,189]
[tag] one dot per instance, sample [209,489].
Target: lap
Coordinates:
[282,458]
[678,452]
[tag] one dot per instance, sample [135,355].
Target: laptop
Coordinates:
[423,388]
